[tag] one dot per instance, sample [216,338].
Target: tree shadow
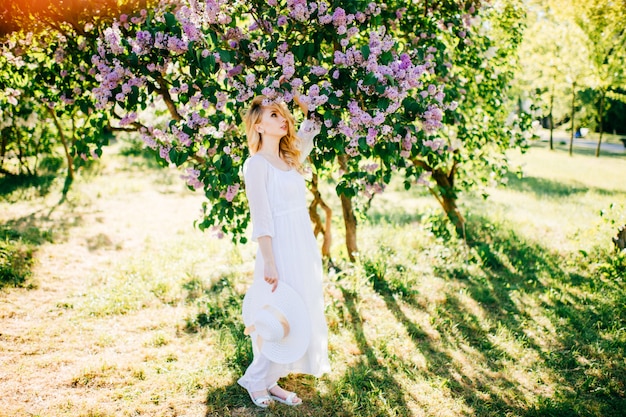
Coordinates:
[345,394]
[570,328]
[19,241]
[542,187]
[368,385]
[581,309]
[562,146]
[21,184]
[585,313]
[391,215]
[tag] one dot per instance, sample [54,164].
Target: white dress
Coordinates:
[278,209]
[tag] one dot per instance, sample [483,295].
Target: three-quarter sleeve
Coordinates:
[308,130]
[255,172]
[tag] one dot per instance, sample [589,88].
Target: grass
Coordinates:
[137,313]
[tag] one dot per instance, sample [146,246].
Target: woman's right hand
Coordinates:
[271,275]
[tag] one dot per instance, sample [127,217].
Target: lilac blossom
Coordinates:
[128,119]
[437,145]
[164,152]
[191,177]
[318,70]
[231,192]
[299,10]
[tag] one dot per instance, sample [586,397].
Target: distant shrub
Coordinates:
[614,266]
[16,260]
[51,164]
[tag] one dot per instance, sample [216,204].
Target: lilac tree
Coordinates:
[45,87]
[413,89]
[475,47]
[375,97]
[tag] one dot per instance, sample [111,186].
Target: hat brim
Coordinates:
[287,301]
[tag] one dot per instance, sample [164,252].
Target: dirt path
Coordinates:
[47,347]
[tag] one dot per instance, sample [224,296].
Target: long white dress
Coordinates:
[278,209]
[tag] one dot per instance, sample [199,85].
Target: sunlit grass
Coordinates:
[526,318]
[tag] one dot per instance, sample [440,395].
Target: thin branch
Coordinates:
[165,93]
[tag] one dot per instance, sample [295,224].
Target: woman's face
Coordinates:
[272,123]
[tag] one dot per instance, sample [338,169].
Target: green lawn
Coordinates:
[528,318]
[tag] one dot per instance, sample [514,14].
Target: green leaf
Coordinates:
[334,100]
[212,40]
[298,52]
[208,64]
[170,20]
[225,56]
[133,96]
[386,57]
[365,51]
[370,79]
[173,154]
[383,103]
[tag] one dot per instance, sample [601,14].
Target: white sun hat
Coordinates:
[277,321]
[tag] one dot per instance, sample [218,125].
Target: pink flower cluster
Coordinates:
[247,60]
[191,177]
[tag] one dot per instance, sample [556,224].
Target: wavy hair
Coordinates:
[289,146]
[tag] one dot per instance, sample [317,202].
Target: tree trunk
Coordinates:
[447,199]
[571,139]
[620,240]
[600,117]
[167,98]
[3,149]
[446,196]
[551,118]
[349,219]
[319,227]
[20,154]
[70,163]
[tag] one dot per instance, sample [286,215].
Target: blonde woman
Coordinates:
[287,249]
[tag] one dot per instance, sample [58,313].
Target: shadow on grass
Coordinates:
[393,216]
[368,388]
[11,184]
[544,187]
[587,353]
[19,240]
[584,353]
[511,300]
[554,189]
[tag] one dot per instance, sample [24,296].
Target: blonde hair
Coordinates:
[289,146]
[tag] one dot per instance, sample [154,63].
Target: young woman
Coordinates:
[288,251]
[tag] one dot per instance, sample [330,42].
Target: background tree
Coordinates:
[587,39]
[46,81]
[477,64]
[547,65]
[604,24]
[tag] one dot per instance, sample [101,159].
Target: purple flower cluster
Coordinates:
[252,60]
[301,10]
[432,119]
[191,177]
